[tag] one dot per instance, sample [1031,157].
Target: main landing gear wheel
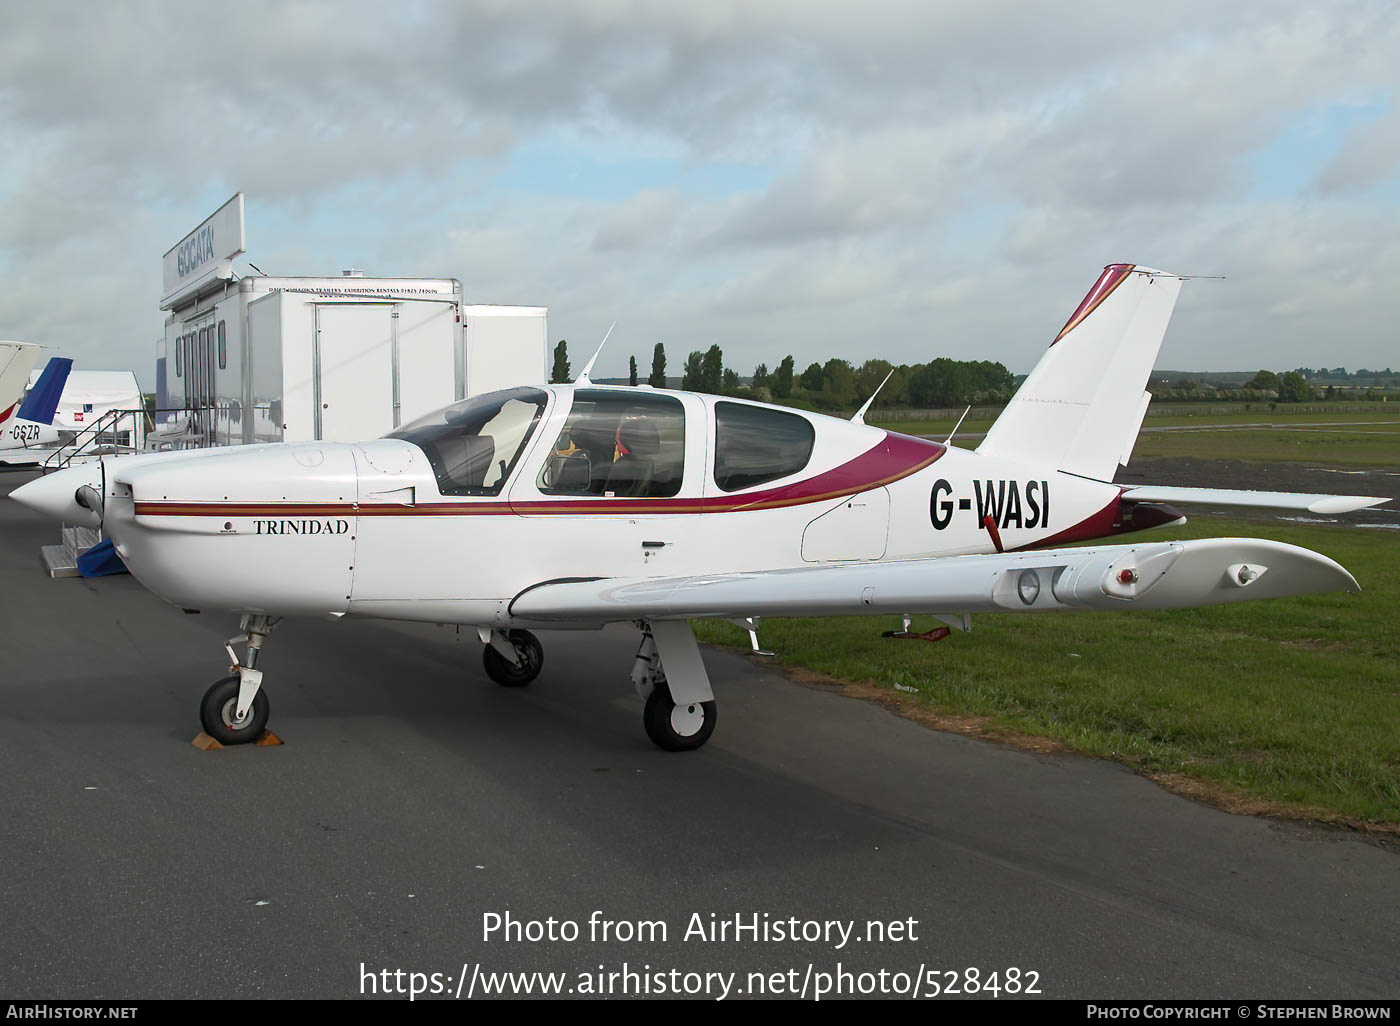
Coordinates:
[510,675]
[677,728]
[219,714]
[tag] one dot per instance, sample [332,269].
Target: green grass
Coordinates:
[937,428]
[1365,417]
[1294,701]
[1377,446]
[1185,415]
[1368,437]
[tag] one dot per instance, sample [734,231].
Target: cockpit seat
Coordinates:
[631,473]
[466,458]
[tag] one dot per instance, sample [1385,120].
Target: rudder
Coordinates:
[41,404]
[1080,409]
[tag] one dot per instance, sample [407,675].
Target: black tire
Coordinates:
[217,709]
[507,674]
[662,725]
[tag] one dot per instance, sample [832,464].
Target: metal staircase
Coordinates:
[100,438]
[62,560]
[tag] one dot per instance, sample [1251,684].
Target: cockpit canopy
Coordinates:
[614,443]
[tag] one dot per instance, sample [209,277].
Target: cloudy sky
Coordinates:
[905,180]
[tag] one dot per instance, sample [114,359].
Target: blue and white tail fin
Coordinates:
[41,404]
[1080,409]
[16,361]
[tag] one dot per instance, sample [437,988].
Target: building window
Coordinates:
[180,356]
[223,347]
[754,444]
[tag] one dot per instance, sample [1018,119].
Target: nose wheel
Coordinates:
[234,711]
[218,712]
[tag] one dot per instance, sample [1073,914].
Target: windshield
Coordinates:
[473,445]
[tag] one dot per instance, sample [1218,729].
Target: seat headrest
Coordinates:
[640,437]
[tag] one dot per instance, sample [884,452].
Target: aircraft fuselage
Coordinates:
[365,529]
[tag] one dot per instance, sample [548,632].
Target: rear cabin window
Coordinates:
[618,445]
[473,445]
[754,445]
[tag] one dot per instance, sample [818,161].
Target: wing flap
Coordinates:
[1305,501]
[1160,575]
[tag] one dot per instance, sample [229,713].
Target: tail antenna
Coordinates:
[583,378]
[949,439]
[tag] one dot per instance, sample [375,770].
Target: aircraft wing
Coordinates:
[1307,501]
[1160,575]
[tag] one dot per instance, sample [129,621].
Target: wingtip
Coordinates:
[1346,503]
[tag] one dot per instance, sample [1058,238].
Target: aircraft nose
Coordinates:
[56,495]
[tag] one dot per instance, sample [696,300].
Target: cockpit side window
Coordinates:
[618,445]
[473,445]
[754,444]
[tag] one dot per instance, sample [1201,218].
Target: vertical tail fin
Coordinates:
[1081,407]
[16,361]
[41,403]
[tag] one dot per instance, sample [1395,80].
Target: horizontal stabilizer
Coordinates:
[41,403]
[1160,575]
[1306,501]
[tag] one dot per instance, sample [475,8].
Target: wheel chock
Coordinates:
[937,634]
[205,743]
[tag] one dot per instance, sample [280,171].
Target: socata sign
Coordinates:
[207,252]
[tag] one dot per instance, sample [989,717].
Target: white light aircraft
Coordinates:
[575,506]
[27,431]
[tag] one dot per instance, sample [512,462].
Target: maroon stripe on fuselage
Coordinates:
[1113,275]
[1117,517]
[6,414]
[1098,525]
[892,459]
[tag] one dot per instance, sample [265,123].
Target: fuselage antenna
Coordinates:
[949,440]
[859,417]
[583,378]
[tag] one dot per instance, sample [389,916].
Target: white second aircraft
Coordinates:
[27,431]
[574,506]
[17,359]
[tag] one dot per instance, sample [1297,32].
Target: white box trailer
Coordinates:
[338,359]
[271,359]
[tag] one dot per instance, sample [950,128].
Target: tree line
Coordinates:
[839,384]
[835,385]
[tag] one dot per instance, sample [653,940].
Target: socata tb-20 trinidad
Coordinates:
[575,506]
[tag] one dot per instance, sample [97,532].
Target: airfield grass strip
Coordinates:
[1371,446]
[1289,706]
[1373,418]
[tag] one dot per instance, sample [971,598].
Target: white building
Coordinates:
[259,359]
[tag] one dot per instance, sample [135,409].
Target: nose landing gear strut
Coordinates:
[234,710]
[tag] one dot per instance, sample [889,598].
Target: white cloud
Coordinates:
[942,178]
